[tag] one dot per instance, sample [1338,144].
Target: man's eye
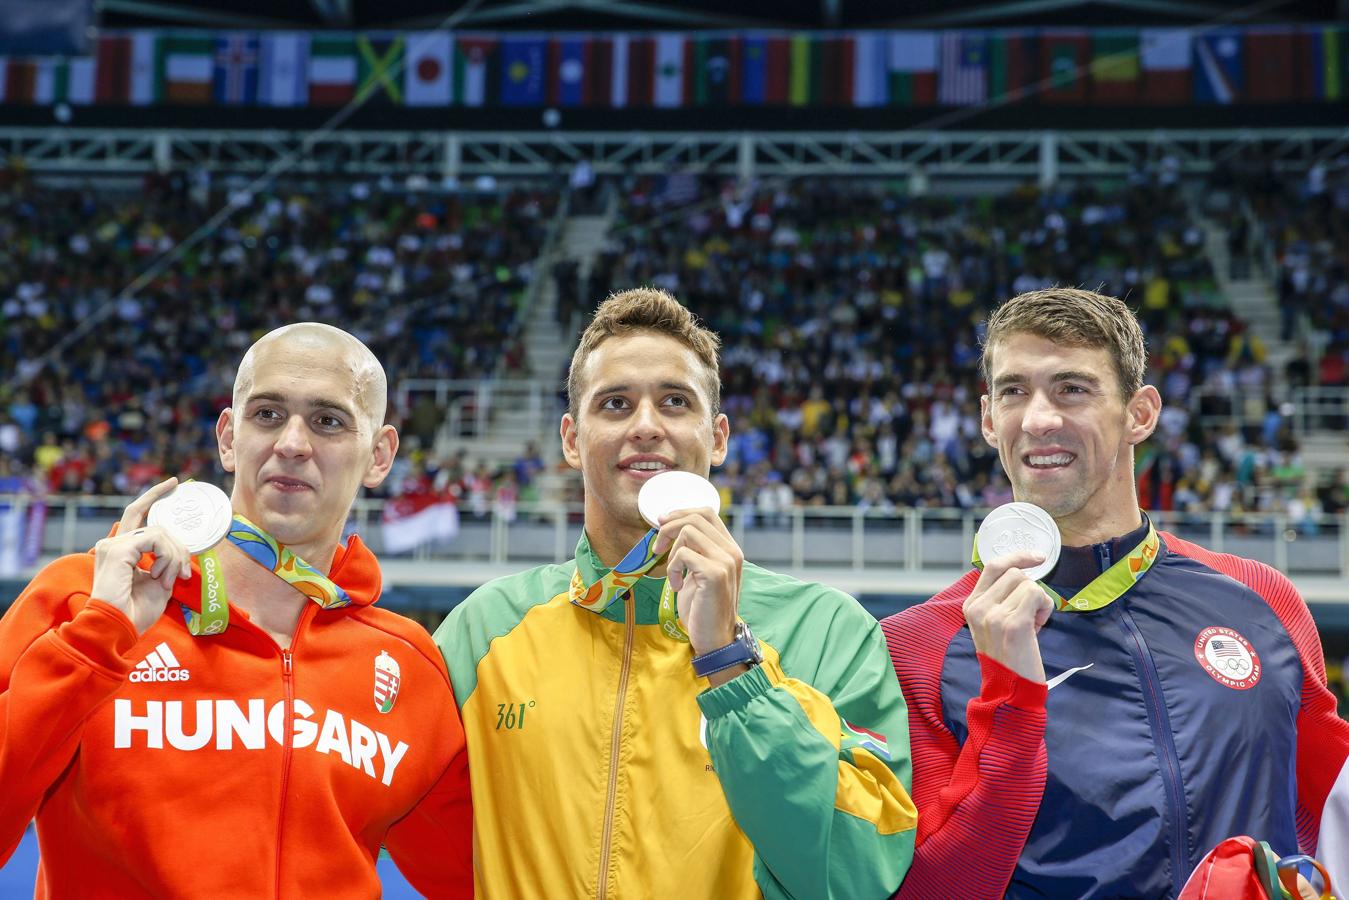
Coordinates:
[330,422]
[267,415]
[612,403]
[677,400]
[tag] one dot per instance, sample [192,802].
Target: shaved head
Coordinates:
[370,388]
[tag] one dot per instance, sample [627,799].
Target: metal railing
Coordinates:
[800,538]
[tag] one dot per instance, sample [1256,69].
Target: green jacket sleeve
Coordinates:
[816,767]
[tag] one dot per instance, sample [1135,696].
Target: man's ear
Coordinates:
[224,438]
[381,457]
[570,452]
[721,438]
[1144,408]
[986,421]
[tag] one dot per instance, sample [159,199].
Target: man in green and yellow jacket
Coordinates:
[751,740]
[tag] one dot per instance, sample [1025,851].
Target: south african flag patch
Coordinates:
[857,736]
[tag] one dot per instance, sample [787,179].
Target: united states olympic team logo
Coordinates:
[1228,657]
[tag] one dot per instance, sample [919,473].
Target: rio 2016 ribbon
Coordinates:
[1111,584]
[639,560]
[271,554]
[214,617]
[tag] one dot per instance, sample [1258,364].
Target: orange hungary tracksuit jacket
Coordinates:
[178,766]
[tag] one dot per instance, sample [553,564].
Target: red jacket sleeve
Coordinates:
[983,794]
[61,656]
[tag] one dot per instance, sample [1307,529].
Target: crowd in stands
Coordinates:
[103,393]
[874,401]
[849,312]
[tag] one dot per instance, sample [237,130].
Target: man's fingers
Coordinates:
[994,569]
[134,515]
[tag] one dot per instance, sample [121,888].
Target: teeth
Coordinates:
[1058,459]
[648,466]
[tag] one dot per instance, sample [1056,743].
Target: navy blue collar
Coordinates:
[1080,566]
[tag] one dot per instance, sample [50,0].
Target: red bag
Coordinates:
[1242,868]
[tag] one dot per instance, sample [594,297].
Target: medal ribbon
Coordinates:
[597,597]
[272,555]
[1111,584]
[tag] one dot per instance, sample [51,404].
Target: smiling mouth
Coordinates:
[1047,461]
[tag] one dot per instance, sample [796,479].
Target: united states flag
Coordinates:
[1222,648]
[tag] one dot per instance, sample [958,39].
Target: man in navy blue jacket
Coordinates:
[1189,699]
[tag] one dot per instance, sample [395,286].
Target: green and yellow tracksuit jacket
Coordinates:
[601,766]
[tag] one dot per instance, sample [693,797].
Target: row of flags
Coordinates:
[672,70]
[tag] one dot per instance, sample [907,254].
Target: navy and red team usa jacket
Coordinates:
[1120,779]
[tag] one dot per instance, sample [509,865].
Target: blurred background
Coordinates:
[843,190]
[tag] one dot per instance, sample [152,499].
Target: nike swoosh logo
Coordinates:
[1064,676]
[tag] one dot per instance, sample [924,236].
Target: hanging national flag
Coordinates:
[836,68]
[669,73]
[619,60]
[1063,66]
[963,80]
[112,80]
[641,89]
[523,71]
[601,80]
[1114,66]
[427,78]
[712,71]
[1165,57]
[777,89]
[1011,66]
[80,87]
[284,69]
[1271,73]
[146,85]
[476,81]
[52,81]
[332,70]
[21,526]
[379,68]
[1218,76]
[18,81]
[871,69]
[424,517]
[187,61]
[803,77]
[754,71]
[235,79]
[569,68]
[1323,73]
[913,68]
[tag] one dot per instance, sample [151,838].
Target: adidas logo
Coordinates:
[159,665]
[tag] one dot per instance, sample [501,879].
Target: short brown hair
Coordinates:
[1076,318]
[646,309]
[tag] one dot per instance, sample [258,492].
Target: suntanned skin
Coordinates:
[1065,435]
[645,401]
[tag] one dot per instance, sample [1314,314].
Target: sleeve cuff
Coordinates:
[736,693]
[1000,684]
[102,635]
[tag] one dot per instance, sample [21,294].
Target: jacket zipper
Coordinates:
[287,732]
[1165,744]
[615,742]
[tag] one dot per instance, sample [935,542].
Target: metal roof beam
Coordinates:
[189,15]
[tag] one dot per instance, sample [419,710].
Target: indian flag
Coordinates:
[857,736]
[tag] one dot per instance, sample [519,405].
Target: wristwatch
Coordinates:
[743,648]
